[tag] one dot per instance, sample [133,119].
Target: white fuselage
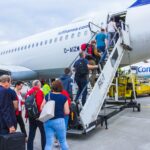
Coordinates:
[48,53]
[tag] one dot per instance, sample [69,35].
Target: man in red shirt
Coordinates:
[33,124]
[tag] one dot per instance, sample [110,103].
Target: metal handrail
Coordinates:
[94,25]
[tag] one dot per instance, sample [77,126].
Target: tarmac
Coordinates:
[127,130]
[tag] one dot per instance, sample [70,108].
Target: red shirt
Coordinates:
[38,97]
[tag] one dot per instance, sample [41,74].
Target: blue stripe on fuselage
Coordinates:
[140,3]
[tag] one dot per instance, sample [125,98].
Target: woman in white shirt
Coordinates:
[111,29]
[18,87]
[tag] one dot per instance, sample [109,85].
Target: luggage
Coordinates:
[14,141]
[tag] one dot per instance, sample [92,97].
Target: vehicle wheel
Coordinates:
[139,107]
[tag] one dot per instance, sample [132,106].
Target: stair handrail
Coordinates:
[94,25]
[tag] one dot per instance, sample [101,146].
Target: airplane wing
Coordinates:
[18,72]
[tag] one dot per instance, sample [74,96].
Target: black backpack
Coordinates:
[31,106]
[81,68]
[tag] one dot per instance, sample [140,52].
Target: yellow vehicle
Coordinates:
[125,86]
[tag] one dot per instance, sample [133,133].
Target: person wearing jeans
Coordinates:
[82,79]
[56,126]
[82,88]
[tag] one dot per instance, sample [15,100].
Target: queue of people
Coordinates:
[11,102]
[53,130]
[92,54]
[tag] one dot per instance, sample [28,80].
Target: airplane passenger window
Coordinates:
[18,48]
[60,39]
[55,40]
[45,42]
[41,43]
[15,49]
[10,51]
[50,41]
[66,37]
[72,35]
[29,46]
[85,33]
[32,45]
[22,48]
[25,46]
[37,44]
[79,33]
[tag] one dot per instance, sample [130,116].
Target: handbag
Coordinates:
[48,111]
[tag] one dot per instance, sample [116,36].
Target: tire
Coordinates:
[139,108]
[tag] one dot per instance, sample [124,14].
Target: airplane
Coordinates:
[45,55]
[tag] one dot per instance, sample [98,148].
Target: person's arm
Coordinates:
[66,108]
[15,99]
[15,103]
[92,66]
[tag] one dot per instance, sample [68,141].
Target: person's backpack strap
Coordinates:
[35,92]
[49,96]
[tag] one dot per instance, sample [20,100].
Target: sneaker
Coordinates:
[56,144]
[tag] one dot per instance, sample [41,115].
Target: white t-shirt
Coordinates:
[111,26]
[19,102]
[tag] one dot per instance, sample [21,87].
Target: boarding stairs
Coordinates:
[89,113]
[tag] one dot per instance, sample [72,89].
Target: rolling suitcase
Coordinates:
[14,141]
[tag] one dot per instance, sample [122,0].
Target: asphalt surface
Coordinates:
[127,130]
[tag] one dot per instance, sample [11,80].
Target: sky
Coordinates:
[22,18]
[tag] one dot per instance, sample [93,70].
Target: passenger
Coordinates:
[18,87]
[89,51]
[66,116]
[96,53]
[111,28]
[8,120]
[82,67]
[33,124]
[67,81]
[102,44]
[56,125]
[45,87]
